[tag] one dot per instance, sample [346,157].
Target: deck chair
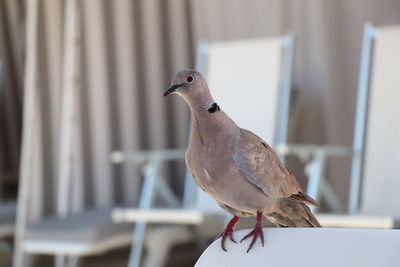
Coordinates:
[75,230]
[255,70]
[319,247]
[230,66]
[374,200]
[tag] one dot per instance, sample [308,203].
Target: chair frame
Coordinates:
[355,219]
[361,118]
[190,188]
[68,252]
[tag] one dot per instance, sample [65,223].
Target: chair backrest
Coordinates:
[246,78]
[377,148]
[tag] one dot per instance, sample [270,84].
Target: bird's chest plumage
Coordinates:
[210,158]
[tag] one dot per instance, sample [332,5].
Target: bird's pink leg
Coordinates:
[228,232]
[257,231]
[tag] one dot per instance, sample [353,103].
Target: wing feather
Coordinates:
[261,166]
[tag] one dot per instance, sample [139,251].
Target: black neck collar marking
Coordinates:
[213,108]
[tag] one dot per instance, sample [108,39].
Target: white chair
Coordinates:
[305,247]
[75,230]
[249,77]
[375,178]
[258,70]
[245,77]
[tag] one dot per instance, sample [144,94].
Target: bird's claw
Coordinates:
[231,238]
[228,232]
[255,233]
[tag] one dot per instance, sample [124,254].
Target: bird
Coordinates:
[237,168]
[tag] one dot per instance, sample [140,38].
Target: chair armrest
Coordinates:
[138,157]
[307,151]
[171,216]
[357,221]
[119,156]
[315,157]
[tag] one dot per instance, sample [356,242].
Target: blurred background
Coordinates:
[119,57]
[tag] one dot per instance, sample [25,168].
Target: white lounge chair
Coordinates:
[258,70]
[245,77]
[75,230]
[374,200]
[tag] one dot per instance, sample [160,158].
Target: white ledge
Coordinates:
[309,247]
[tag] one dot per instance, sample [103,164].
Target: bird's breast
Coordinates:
[210,152]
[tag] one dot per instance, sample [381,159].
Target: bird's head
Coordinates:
[192,86]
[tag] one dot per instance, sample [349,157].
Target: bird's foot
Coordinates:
[256,232]
[228,232]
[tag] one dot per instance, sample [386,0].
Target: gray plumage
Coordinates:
[235,166]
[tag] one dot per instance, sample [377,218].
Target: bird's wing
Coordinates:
[260,165]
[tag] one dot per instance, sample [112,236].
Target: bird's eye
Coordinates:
[190,78]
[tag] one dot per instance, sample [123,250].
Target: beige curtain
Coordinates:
[130,49]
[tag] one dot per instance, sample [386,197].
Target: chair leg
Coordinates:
[330,196]
[22,259]
[137,244]
[145,202]
[72,261]
[159,242]
[59,260]
[316,169]
[318,185]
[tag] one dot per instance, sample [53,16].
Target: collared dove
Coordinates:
[236,167]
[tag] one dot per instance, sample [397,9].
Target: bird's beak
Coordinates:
[172,89]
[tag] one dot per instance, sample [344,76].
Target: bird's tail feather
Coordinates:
[301,197]
[310,218]
[293,214]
